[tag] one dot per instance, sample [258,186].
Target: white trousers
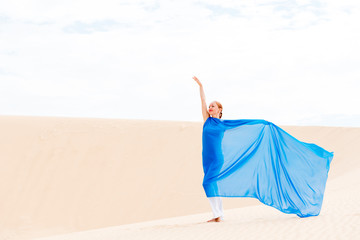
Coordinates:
[217,207]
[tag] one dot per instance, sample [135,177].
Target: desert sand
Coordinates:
[90,178]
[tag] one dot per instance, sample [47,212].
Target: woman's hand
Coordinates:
[197,80]
[205,113]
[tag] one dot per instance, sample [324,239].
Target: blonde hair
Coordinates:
[219,106]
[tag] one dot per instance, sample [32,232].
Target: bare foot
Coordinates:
[215,220]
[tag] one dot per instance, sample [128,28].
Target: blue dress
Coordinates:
[255,158]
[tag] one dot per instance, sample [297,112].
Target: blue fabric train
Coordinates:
[255,158]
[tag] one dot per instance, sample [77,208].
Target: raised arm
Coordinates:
[205,113]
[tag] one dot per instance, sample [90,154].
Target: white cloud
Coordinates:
[278,60]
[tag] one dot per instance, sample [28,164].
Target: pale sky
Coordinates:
[288,62]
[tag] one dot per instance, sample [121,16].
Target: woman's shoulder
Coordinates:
[206,119]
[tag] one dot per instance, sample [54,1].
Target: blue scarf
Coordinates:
[255,158]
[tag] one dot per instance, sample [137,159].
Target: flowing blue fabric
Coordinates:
[255,158]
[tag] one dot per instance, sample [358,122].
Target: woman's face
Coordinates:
[213,109]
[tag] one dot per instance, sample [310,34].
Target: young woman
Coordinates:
[215,111]
[255,158]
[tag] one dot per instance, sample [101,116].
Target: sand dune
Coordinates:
[114,178]
[339,219]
